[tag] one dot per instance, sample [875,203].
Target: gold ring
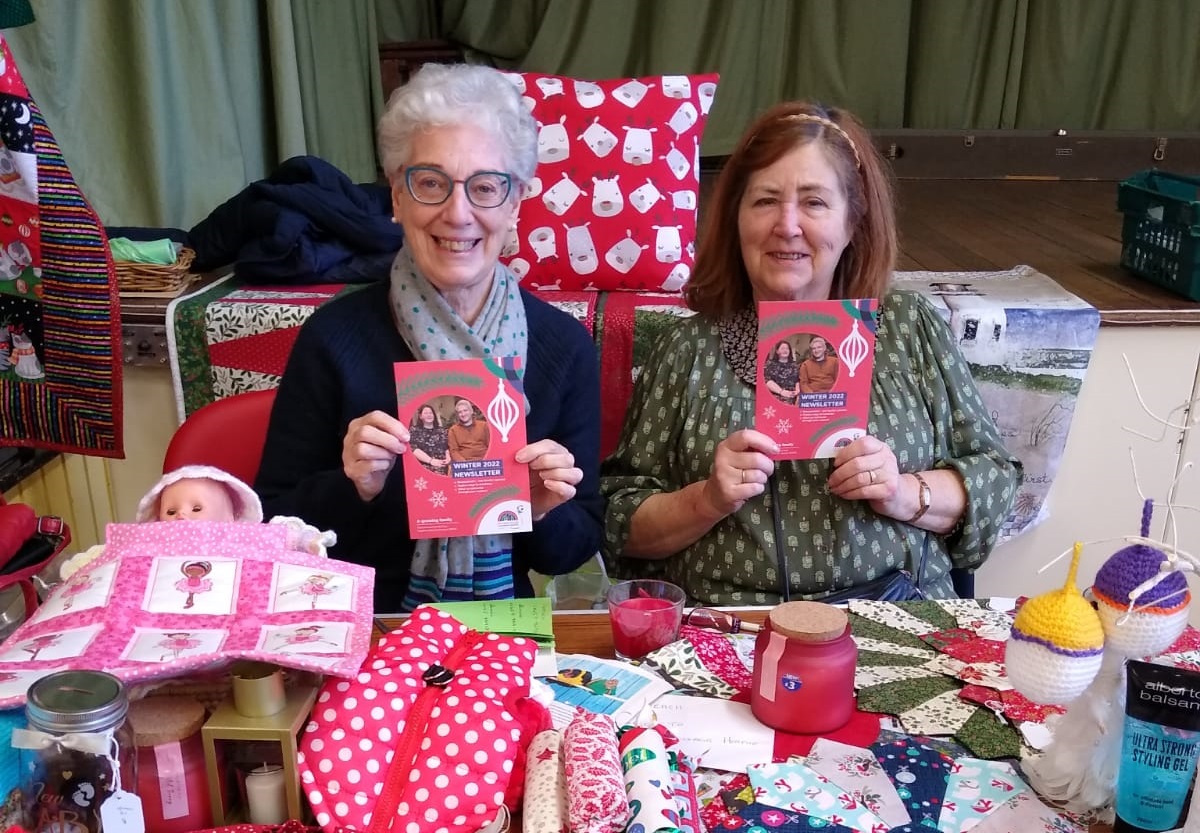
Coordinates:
[743,476]
[871,474]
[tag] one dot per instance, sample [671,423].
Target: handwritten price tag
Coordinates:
[122,812]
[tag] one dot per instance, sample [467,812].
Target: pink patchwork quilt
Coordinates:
[166,599]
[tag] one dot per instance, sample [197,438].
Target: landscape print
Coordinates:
[1029,343]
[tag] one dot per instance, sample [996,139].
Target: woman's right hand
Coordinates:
[740,471]
[369,450]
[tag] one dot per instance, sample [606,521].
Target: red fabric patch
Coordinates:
[260,352]
[1189,640]
[619,322]
[965,645]
[718,814]
[1012,704]
[862,730]
[717,655]
[984,696]
[613,204]
[1020,709]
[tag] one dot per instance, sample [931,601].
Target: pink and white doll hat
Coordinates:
[246,505]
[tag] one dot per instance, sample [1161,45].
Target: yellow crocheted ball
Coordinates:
[1056,645]
[1063,618]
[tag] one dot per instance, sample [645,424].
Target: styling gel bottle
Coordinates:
[1158,753]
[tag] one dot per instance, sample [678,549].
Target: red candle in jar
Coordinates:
[645,615]
[171,779]
[804,661]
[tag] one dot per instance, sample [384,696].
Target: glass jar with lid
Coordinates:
[804,661]
[172,781]
[77,752]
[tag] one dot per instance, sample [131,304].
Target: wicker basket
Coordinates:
[150,277]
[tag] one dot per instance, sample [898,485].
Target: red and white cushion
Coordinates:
[613,204]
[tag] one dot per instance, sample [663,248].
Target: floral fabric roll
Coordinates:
[596,801]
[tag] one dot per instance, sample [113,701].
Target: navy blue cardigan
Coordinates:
[341,368]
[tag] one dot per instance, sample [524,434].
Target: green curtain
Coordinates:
[408,20]
[924,64]
[964,67]
[165,109]
[1113,65]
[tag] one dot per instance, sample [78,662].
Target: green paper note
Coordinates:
[515,617]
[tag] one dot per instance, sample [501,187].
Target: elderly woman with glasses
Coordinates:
[457,145]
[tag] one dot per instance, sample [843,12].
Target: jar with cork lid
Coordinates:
[171,775]
[804,661]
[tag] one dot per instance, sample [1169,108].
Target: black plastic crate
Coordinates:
[1160,237]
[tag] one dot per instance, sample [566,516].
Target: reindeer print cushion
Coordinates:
[613,203]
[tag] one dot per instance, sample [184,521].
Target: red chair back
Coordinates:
[229,434]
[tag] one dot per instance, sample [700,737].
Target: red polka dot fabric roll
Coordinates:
[596,800]
[426,737]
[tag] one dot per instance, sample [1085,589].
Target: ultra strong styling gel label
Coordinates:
[1158,754]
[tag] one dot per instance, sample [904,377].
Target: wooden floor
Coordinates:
[1070,231]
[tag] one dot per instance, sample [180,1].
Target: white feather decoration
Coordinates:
[1078,770]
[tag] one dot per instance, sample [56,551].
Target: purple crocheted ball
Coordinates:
[1126,568]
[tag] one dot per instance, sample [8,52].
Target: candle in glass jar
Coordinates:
[171,779]
[266,795]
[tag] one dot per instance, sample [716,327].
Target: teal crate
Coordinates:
[1160,237]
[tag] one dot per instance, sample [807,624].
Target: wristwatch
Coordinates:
[925,495]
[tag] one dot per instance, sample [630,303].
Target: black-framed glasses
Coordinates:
[433,186]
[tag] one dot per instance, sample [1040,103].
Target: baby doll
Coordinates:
[206,493]
[199,493]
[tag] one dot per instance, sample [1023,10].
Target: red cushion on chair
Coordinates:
[228,434]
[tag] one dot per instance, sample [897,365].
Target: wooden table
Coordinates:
[588,631]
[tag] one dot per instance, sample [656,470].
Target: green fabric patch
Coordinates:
[898,697]
[931,612]
[986,737]
[871,659]
[861,626]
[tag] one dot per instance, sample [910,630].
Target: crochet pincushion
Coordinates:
[1158,616]
[1056,645]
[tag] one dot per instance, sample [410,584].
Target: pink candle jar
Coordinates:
[171,777]
[804,660]
[645,615]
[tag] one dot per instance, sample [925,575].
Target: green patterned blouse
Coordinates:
[924,404]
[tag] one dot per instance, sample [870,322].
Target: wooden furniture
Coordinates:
[399,60]
[588,631]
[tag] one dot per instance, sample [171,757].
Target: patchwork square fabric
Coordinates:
[614,201]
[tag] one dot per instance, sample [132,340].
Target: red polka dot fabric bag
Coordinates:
[430,736]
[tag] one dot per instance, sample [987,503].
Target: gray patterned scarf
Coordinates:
[473,567]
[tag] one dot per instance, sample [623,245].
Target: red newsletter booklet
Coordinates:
[466,421]
[814,374]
